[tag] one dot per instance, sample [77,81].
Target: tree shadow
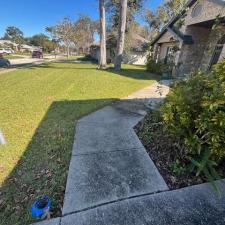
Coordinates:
[136,73]
[130,71]
[43,167]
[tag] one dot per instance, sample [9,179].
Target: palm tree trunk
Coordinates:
[121,34]
[102,58]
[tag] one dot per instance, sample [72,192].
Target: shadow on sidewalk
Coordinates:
[42,169]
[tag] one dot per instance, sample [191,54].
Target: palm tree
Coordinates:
[51,31]
[121,34]
[102,60]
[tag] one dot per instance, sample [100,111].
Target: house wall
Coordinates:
[136,58]
[163,49]
[95,54]
[164,42]
[198,55]
[213,39]
[210,9]
[191,55]
[167,37]
[222,56]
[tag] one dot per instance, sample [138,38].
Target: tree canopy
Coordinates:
[41,40]
[14,34]
[156,20]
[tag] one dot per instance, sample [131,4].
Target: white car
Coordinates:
[6,50]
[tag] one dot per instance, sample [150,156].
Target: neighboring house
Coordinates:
[95,50]
[195,44]
[8,43]
[137,54]
[22,48]
[29,48]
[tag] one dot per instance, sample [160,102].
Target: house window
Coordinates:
[197,10]
[217,52]
[170,55]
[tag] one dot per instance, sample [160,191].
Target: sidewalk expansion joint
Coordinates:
[111,202]
[105,152]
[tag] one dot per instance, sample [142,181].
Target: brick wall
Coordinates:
[210,9]
[191,55]
[213,39]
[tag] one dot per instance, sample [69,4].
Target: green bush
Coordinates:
[194,111]
[87,58]
[157,67]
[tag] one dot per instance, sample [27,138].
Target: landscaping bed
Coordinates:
[167,152]
[185,136]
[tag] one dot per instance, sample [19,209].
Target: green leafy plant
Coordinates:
[194,111]
[158,67]
[177,168]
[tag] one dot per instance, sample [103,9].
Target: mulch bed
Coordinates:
[168,154]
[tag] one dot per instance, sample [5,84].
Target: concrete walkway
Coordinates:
[113,181]
[108,162]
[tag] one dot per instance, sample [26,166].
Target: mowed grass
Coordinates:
[39,107]
[13,56]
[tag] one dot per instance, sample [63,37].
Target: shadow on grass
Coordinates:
[140,73]
[43,167]
[135,72]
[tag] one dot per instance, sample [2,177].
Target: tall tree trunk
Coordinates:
[102,58]
[121,34]
[68,51]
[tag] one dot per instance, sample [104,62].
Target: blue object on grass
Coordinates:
[40,206]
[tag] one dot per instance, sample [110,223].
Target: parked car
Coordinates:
[37,54]
[9,50]
[4,62]
[6,51]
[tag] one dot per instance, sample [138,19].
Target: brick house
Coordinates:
[191,40]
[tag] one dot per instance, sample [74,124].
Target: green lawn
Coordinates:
[39,107]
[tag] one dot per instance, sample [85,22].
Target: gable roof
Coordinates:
[187,39]
[173,21]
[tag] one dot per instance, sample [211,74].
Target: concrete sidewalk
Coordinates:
[113,181]
[108,162]
[196,205]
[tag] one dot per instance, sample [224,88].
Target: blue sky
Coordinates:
[32,16]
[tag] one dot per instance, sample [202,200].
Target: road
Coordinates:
[23,61]
[28,61]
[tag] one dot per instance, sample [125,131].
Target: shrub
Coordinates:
[154,67]
[195,112]
[157,67]
[87,58]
